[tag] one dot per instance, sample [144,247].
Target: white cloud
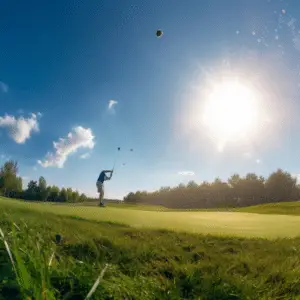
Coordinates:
[20,129]
[3,87]
[186,173]
[85,155]
[111,105]
[79,138]
[297,177]
[258,161]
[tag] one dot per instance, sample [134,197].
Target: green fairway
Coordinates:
[224,223]
[280,208]
[142,263]
[118,205]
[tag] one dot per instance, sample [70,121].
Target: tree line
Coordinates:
[237,191]
[11,185]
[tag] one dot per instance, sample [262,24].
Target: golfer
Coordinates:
[100,184]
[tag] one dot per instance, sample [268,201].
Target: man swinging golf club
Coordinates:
[100,184]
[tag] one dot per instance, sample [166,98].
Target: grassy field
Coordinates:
[282,208]
[118,205]
[222,223]
[141,262]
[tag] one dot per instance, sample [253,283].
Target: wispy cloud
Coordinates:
[85,155]
[111,105]
[186,173]
[79,138]
[3,87]
[258,161]
[20,129]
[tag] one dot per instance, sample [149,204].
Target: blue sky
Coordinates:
[62,62]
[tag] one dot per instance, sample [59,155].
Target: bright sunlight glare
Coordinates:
[230,110]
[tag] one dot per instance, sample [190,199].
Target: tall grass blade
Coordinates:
[51,259]
[93,289]
[8,250]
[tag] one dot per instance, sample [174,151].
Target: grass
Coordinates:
[218,223]
[118,205]
[142,263]
[281,208]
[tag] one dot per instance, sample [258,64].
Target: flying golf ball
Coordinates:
[159,33]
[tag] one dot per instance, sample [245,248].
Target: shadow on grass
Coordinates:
[109,223]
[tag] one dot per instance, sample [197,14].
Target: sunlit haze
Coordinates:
[231,111]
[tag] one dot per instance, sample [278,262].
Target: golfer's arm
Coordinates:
[107,178]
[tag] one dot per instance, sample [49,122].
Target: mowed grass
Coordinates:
[222,223]
[141,263]
[118,205]
[281,208]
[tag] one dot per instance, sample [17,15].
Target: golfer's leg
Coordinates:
[101,196]
[99,191]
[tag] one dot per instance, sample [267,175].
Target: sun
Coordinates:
[230,111]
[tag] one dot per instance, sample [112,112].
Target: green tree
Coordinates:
[281,186]
[192,184]
[130,198]
[252,188]
[48,192]
[43,191]
[234,180]
[10,183]
[83,198]
[70,195]
[75,196]
[54,194]
[32,186]
[220,193]
[32,191]
[10,167]
[63,197]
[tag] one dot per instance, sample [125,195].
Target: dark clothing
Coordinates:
[100,184]
[102,177]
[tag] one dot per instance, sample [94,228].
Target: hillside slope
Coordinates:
[280,208]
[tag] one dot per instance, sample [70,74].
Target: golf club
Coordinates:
[118,150]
